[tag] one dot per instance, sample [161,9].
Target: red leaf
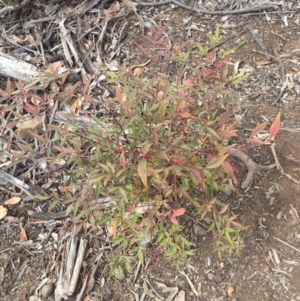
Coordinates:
[114,227]
[258,129]
[178,212]
[196,173]
[275,127]
[224,117]
[87,85]
[122,159]
[223,210]
[21,88]
[186,115]
[178,160]
[22,234]
[121,101]
[222,63]
[8,87]
[229,170]
[12,201]
[189,83]
[257,141]
[226,133]
[174,220]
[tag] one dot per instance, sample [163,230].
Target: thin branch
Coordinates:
[258,41]
[207,12]
[282,77]
[227,39]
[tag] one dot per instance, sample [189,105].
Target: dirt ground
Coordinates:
[268,268]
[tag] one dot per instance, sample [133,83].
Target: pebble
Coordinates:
[119,274]
[47,290]
[210,276]
[199,231]
[33,298]
[227,190]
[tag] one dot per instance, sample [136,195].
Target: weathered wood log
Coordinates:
[17,69]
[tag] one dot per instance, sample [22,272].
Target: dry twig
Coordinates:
[288,245]
[281,66]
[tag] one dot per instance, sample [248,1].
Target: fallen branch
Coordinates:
[258,41]
[18,69]
[251,166]
[207,12]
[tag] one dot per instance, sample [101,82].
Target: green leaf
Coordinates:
[146,148]
[225,72]
[96,178]
[69,209]
[41,197]
[162,109]
[123,194]
[241,78]
[212,132]
[202,50]
[106,168]
[140,254]
[107,179]
[160,236]
[142,167]
[223,54]
[227,235]
[216,162]
[211,226]
[217,32]
[242,42]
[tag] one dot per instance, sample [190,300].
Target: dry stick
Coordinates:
[285,243]
[207,12]
[280,63]
[279,166]
[277,35]
[15,7]
[251,165]
[15,181]
[258,41]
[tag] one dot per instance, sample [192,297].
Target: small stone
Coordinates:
[119,274]
[199,231]
[227,190]
[210,276]
[47,290]
[33,298]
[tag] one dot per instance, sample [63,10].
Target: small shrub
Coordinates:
[159,148]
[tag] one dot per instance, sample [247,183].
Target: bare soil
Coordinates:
[266,269]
